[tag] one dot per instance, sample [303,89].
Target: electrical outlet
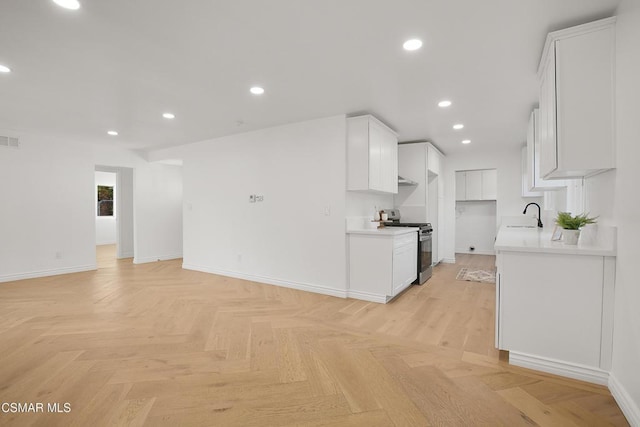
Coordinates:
[239,258]
[252,198]
[58,255]
[259,198]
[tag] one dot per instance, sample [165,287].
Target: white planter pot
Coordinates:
[570,237]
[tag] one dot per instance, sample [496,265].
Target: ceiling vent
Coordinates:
[9,142]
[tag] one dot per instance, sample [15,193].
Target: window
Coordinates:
[105,200]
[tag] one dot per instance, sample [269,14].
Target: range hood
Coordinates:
[404,181]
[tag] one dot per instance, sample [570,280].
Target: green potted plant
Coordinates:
[571,225]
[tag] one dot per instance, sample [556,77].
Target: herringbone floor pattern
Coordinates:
[157,345]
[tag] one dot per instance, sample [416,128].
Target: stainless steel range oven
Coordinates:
[425,237]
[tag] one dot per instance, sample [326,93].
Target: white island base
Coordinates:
[382,263]
[554,305]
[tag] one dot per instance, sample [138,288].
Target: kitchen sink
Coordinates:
[521,226]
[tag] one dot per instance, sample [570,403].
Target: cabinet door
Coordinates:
[461,186]
[376,147]
[433,161]
[534,183]
[585,103]
[405,268]
[528,168]
[389,165]
[489,184]
[525,177]
[548,141]
[474,185]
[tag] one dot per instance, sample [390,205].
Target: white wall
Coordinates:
[47,220]
[475,226]
[622,208]
[510,202]
[361,207]
[157,212]
[287,239]
[157,203]
[105,225]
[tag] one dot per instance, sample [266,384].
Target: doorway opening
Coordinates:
[113,195]
[476,211]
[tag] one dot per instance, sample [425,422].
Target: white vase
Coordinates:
[570,237]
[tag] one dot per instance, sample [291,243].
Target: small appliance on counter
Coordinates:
[425,236]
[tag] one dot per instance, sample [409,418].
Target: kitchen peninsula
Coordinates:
[554,302]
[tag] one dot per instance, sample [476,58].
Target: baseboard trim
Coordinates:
[448,260]
[126,255]
[367,296]
[557,367]
[629,408]
[144,260]
[476,252]
[324,290]
[46,273]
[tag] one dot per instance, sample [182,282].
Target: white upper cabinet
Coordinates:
[525,177]
[577,88]
[372,156]
[434,160]
[461,185]
[489,184]
[531,168]
[477,185]
[473,185]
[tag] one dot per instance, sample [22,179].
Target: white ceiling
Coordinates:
[119,64]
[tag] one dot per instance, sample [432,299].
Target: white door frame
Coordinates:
[125,244]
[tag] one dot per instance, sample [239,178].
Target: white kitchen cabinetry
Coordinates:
[554,309]
[473,185]
[477,185]
[434,160]
[525,177]
[534,181]
[382,264]
[424,164]
[461,185]
[372,156]
[577,123]
[489,184]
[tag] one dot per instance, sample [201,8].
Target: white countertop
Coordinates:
[517,239]
[386,231]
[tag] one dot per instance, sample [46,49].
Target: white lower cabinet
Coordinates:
[381,265]
[555,312]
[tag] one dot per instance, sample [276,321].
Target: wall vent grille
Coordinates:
[9,142]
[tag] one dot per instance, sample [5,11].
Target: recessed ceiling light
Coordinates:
[112,133]
[444,103]
[257,90]
[466,141]
[413,44]
[68,4]
[458,126]
[4,69]
[169,116]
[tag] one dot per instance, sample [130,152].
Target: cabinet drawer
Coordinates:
[405,239]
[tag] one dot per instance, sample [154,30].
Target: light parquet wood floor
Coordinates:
[156,345]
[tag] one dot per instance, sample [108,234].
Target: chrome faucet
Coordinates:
[524,212]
